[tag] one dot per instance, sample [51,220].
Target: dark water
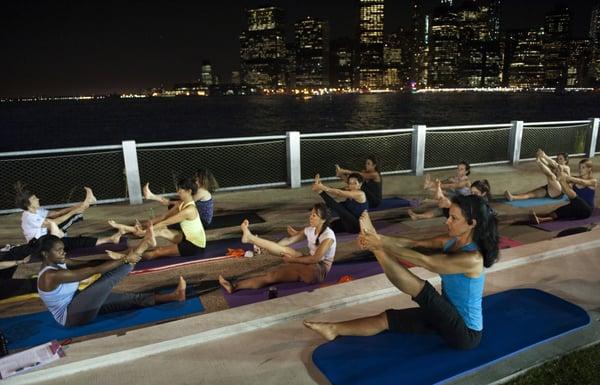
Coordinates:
[36,125]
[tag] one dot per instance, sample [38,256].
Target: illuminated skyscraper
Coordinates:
[371,43]
[207,78]
[343,63]
[595,43]
[262,49]
[443,48]
[578,63]
[417,53]
[526,69]
[557,34]
[312,53]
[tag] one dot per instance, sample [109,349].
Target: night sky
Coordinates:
[84,47]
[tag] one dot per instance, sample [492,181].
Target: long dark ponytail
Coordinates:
[323,213]
[485,234]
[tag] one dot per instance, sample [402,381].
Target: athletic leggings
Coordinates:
[98,298]
[576,209]
[347,221]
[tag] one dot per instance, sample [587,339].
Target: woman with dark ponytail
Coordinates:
[470,246]
[372,185]
[309,268]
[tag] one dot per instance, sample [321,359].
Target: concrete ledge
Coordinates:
[137,344]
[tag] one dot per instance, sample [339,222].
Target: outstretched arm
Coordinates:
[358,196]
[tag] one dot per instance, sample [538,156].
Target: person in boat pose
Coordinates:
[189,240]
[58,284]
[549,168]
[348,210]
[372,185]
[470,246]
[581,192]
[297,266]
[207,185]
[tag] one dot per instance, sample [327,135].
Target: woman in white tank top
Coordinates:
[297,266]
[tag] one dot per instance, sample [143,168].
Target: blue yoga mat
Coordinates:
[514,321]
[392,203]
[536,202]
[29,330]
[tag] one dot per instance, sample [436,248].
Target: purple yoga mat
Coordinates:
[356,270]
[566,224]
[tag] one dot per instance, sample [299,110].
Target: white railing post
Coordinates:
[592,137]
[514,142]
[132,172]
[418,149]
[293,158]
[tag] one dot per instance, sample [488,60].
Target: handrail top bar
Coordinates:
[560,122]
[349,133]
[60,150]
[205,141]
[474,126]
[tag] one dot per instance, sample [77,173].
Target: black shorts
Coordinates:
[435,315]
[187,249]
[576,209]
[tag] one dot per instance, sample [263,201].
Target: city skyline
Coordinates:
[63,49]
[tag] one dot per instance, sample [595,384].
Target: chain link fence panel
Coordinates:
[232,164]
[319,155]
[59,179]
[569,139]
[447,148]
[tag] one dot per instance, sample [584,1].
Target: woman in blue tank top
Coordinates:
[581,192]
[348,210]
[470,246]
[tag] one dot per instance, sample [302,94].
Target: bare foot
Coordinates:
[116,237]
[427,182]
[509,197]
[413,216]
[246,234]
[366,226]
[180,291]
[150,236]
[226,284]
[325,329]
[147,193]
[338,170]
[115,254]
[534,217]
[90,199]
[317,186]
[118,226]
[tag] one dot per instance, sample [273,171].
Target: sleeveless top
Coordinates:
[57,301]
[354,207]
[193,229]
[311,239]
[586,193]
[463,292]
[206,209]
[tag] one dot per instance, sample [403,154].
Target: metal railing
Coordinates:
[115,172]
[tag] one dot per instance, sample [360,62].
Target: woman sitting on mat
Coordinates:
[350,209]
[189,240]
[470,246]
[580,191]
[207,185]
[36,222]
[372,185]
[57,284]
[480,188]
[549,168]
[297,266]
[456,185]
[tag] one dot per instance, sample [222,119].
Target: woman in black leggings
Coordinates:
[349,210]
[372,185]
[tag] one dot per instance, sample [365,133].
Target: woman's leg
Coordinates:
[348,220]
[539,192]
[288,272]
[424,215]
[265,244]
[398,275]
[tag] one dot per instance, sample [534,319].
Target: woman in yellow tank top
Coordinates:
[190,240]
